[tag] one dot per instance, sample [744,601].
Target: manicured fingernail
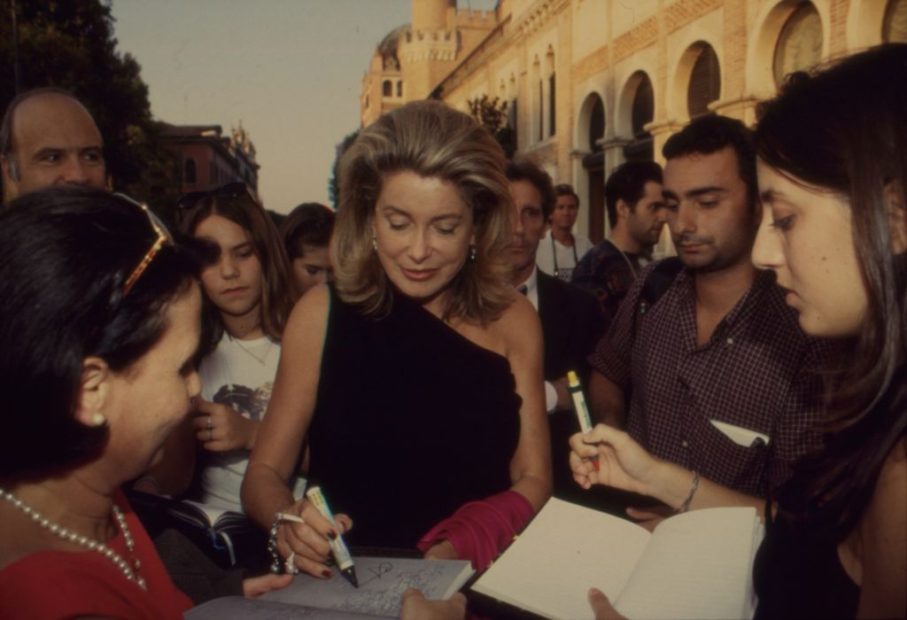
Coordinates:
[332,535]
[326,574]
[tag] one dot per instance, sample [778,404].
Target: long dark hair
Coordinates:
[278,289]
[845,129]
[65,254]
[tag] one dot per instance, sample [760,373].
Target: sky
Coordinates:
[289,70]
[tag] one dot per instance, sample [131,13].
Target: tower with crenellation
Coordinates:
[413,59]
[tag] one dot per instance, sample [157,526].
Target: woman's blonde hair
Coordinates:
[431,140]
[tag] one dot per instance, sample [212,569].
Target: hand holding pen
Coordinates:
[622,463]
[304,537]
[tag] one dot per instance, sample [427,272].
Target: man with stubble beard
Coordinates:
[715,376]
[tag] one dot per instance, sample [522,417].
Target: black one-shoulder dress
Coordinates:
[412,420]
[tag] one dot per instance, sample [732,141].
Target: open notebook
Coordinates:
[382,582]
[694,565]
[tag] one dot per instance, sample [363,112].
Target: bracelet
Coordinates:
[685,506]
[272,546]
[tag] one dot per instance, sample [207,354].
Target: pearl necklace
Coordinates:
[131,573]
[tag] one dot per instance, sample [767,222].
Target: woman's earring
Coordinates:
[374,243]
[97,419]
[472,254]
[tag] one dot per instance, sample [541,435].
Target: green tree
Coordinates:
[492,114]
[70,44]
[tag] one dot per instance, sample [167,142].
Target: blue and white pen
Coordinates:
[338,547]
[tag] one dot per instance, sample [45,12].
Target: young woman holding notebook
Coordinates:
[832,176]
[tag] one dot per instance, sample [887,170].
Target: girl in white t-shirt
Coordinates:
[248,293]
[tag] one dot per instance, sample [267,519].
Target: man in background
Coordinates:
[570,323]
[634,205]
[716,376]
[47,137]
[560,250]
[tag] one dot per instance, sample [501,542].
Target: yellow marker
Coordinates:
[579,402]
[582,410]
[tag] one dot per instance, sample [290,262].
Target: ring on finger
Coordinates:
[210,423]
[289,566]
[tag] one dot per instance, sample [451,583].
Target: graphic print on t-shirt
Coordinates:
[250,403]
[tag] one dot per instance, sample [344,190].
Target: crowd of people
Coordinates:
[410,354]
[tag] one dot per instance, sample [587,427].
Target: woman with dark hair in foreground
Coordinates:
[99,329]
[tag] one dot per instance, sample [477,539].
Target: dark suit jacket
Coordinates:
[571,326]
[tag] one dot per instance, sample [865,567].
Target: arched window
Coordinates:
[800,43]
[705,82]
[399,88]
[537,111]
[552,92]
[552,108]
[541,97]
[642,112]
[190,175]
[894,28]
[387,89]
[596,125]
[593,114]
[643,107]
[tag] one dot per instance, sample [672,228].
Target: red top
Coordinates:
[63,584]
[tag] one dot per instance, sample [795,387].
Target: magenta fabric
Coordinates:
[481,530]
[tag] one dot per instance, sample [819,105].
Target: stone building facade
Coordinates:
[593,83]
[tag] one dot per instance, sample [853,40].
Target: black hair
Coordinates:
[565,189]
[65,254]
[711,133]
[311,223]
[525,170]
[844,129]
[627,183]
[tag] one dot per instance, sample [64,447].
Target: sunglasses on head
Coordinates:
[230,191]
[162,237]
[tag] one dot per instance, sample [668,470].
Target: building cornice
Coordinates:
[538,16]
[529,22]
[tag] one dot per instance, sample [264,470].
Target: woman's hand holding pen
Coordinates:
[623,463]
[307,544]
[221,428]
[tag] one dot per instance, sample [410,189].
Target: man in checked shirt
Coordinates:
[716,376]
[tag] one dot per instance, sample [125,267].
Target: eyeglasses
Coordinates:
[230,190]
[162,237]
